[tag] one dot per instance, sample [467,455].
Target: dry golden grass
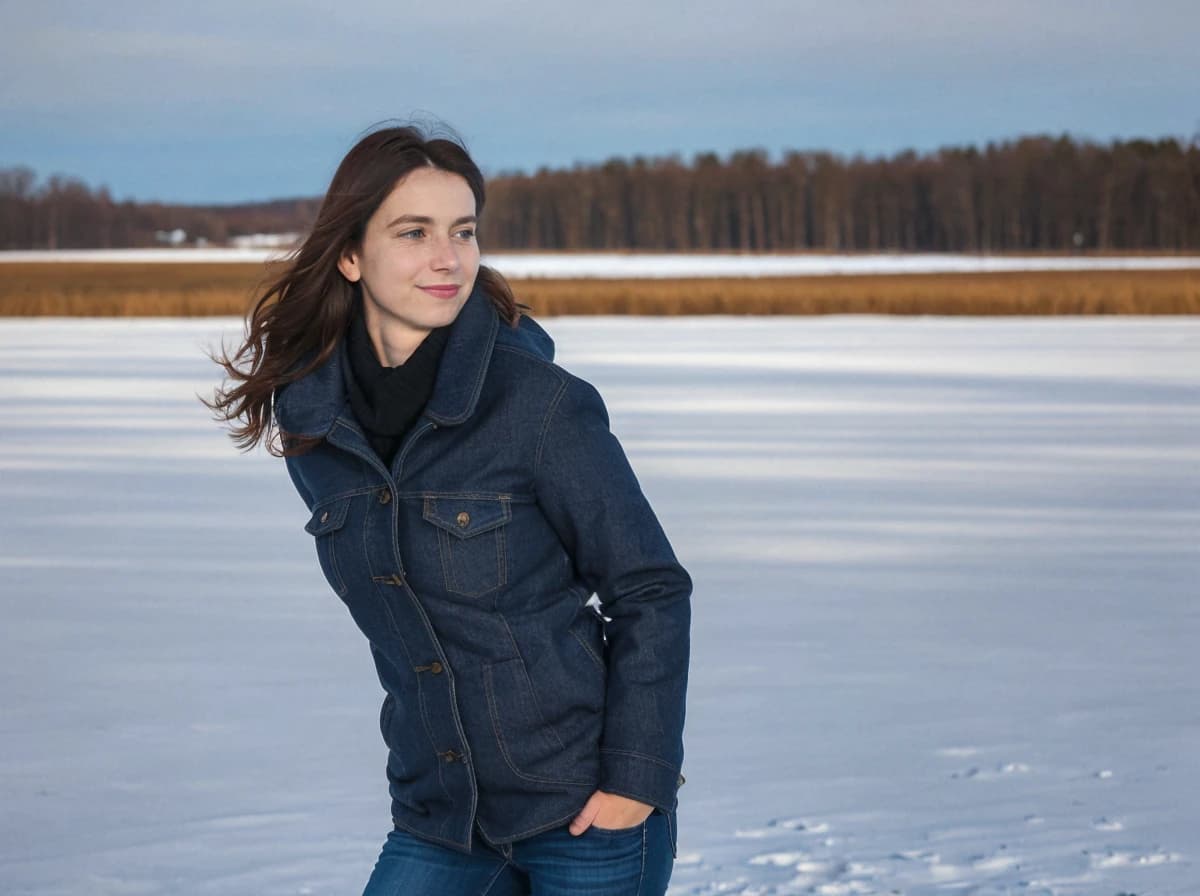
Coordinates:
[1051,292]
[117,289]
[193,289]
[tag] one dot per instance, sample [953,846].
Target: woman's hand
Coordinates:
[607,810]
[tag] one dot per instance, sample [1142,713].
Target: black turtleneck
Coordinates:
[388,400]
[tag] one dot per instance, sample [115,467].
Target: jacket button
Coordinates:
[325,516]
[385,495]
[463,519]
[435,667]
[451,756]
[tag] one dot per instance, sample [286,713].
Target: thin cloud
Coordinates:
[86,88]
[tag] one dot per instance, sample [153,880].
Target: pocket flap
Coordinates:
[464,517]
[328,517]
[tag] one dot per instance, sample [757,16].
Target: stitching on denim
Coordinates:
[490,694]
[391,618]
[536,829]
[543,726]
[393,536]
[511,497]
[381,597]
[536,705]
[642,872]
[512,639]
[340,496]
[338,421]
[446,547]
[502,555]
[328,516]
[324,540]
[431,516]
[489,347]
[421,701]
[584,644]
[423,834]
[617,832]
[340,588]
[366,553]
[525,353]
[495,877]
[640,756]
[671,836]
[550,412]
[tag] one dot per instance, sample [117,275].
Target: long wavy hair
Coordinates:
[295,324]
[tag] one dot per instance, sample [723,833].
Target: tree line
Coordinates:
[64,213]
[1030,194]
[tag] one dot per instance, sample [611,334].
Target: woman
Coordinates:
[467,499]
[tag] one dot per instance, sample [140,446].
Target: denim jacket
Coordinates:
[470,565]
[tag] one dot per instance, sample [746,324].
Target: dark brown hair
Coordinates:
[294,325]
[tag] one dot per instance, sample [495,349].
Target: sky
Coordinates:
[234,101]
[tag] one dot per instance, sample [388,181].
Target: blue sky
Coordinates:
[236,101]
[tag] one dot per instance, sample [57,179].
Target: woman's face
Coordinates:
[417,261]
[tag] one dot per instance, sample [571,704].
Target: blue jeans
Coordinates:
[628,862]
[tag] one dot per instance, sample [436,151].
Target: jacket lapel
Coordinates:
[465,361]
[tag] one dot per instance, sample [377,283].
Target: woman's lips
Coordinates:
[442,292]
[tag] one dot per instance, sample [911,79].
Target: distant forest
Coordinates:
[1035,193]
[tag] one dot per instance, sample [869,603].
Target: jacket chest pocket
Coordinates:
[471,541]
[327,519]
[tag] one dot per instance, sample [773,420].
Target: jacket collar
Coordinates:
[308,407]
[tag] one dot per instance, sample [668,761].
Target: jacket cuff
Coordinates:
[639,777]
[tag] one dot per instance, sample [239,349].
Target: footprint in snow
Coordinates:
[799,824]
[999,771]
[778,827]
[844,888]
[995,863]
[1013,768]
[1117,858]
[827,878]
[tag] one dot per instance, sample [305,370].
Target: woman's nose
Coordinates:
[445,256]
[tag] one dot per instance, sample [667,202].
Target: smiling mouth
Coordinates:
[448,291]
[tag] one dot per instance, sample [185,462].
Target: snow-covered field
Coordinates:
[610,265]
[946,615]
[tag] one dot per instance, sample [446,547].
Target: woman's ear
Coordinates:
[348,265]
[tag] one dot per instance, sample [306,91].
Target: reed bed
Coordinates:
[191,289]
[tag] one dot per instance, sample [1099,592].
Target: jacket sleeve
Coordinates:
[589,493]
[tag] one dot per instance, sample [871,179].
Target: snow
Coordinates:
[610,265]
[761,265]
[945,615]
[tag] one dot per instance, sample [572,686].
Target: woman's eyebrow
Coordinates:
[425,219]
